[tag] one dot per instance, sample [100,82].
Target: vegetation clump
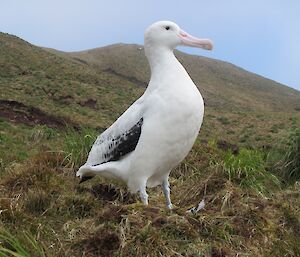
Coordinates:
[248,182]
[246,210]
[287,163]
[248,170]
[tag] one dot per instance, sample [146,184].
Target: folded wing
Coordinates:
[120,138]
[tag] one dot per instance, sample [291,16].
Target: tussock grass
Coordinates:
[285,158]
[37,202]
[79,206]
[96,218]
[77,145]
[245,214]
[26,246]
[247,169]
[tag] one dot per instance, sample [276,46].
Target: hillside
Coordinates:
[244,164]
[223,85]
[93,87]
[56,85]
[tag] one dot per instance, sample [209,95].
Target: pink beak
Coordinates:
[189,40]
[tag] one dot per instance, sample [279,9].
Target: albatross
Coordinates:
[159,129]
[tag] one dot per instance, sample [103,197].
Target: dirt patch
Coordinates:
[103,243]
[219,252]
[113,214]
[297,109]
[90,103]
[65,99]
[111,193]
[80,60]
[105,192]
[159,221]
[226,146]
[17,112]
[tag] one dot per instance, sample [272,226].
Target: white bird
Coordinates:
[158,130]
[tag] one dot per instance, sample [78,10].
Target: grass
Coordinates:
[10,245]
[37,202]
[245,209]
[251,202]
[248,170]
[77,145]
[224,120]
[285,158]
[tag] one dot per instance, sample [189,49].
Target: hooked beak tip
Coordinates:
[83,179]
[209,45]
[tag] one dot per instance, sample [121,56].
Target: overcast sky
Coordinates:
[259,36]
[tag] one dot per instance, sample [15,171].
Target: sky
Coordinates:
[260,36]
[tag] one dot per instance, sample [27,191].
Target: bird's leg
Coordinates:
[166,190]
[144,195]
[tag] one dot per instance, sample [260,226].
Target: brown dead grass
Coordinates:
[100,219]
[103,243]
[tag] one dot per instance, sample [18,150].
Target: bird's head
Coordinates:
[170,35]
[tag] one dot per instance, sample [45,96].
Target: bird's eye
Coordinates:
[167,27]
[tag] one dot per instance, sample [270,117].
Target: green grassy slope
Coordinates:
[235,99]
[35,77]
[222,84]
[94,87]
[248,181]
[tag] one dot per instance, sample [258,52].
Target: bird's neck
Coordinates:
[162,61]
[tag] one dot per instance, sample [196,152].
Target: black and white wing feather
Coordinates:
[120,138]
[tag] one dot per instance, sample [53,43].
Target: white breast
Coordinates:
[169,131]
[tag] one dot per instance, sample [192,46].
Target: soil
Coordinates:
[226,146]
[111,193]
[18,112]
[90,103]
[105,192]
[103,243]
